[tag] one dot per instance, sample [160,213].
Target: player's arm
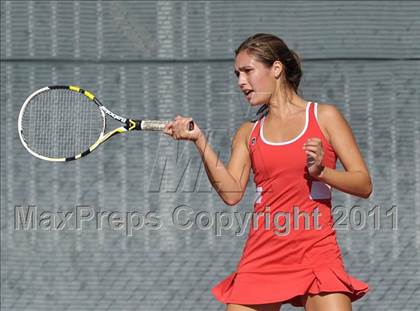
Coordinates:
[229,181]
[355,179]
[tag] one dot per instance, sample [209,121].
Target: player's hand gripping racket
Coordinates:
[65,123]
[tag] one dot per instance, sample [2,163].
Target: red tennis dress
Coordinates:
[291,248]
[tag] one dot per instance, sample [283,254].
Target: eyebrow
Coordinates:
[242,69]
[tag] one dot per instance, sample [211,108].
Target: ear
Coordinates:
[277,68]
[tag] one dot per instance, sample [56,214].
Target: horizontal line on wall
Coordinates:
[187,61]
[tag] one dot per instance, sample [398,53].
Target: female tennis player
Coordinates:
[292,148]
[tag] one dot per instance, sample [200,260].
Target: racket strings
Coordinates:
[60,123]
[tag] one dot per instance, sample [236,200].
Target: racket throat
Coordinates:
[133,125]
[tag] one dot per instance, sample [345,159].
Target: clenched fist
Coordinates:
[180,128]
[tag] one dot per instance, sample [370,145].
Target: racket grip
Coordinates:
[151,125]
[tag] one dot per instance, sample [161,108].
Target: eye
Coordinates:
[236,73]
[248,70]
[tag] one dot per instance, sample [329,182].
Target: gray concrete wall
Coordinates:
[159,59]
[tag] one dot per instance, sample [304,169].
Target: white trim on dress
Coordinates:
[289,141]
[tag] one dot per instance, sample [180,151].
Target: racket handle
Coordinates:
[151,125]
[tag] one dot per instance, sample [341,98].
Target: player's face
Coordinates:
[255,79]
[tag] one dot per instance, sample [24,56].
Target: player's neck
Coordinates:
[285,105]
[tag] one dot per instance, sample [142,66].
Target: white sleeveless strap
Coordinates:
[316,111]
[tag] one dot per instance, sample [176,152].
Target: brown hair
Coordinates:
[267,49]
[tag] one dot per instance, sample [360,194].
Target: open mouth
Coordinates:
[248,93]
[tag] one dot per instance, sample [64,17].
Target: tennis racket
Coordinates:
[65,123]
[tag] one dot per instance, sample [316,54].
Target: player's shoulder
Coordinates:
[244,131]
[329,115]
[327,111]
[246,127]
[330,119]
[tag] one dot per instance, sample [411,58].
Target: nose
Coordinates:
[241,80]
